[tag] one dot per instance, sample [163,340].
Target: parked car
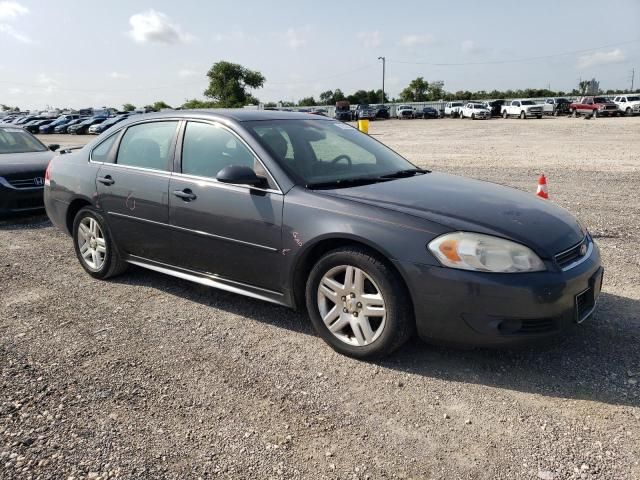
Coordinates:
[34,127]
[62,128]
[318,111]
[364,111]
[626,103]
[556,106]
[452,109]
[405,111]
[61,120]
[82,127]
[594,106]
[23,161]
[343,111]
[475,111]
[302,211]
[522,108]
[496,107]
[98,128]
[427,112]
[382,112]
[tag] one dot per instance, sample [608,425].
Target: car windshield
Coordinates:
[633,99]
[16,140]
[600,100]
[456,104]
[527,102]
[319,153]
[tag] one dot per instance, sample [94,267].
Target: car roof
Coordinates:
[238,115]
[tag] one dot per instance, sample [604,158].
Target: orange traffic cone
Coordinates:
[542,187]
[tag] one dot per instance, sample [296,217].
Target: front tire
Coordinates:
[628,111]
[94,246]
[505,115]
[358,304]
[523,116]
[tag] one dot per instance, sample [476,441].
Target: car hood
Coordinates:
[472,205]
[18,163]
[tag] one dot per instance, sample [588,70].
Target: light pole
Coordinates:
[383,65]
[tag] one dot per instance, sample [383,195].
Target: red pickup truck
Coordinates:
[595,106]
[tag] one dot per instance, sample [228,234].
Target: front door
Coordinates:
[133,191]
[227,231]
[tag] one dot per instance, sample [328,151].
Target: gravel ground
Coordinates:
[147,376]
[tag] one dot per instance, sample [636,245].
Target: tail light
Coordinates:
[47,175]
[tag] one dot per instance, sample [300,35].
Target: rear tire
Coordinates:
[94,246]
[505,114]
[574,113]
[523,116]
[628,111]
[340,287]
[594,114]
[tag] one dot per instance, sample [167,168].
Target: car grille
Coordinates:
[537,326]
[29,182]
[585,303]
[573,254]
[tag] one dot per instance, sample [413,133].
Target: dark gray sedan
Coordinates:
[307,212]
[23,161]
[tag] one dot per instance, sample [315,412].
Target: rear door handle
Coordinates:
[106,180]
[187,195]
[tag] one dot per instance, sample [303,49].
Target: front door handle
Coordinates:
[106,180]
[187,195]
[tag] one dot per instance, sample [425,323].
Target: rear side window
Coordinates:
[148,145]
[102,151]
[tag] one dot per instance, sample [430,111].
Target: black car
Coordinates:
[305,211]
[62,128]
[23,161]
[428,112]
[382,111]
[82,127]
[364,111]
[34,127]
[496,107]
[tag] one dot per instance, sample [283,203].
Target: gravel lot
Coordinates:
[146,376]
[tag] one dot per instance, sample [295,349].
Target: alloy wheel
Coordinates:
[351,305]
[91,243]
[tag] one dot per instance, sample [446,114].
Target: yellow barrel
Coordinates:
[363,126]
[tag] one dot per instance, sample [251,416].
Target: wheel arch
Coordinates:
[307,258]
[72,210]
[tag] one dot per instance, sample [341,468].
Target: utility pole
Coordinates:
[633,76]
[383,66]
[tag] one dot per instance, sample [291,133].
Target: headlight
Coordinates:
[484,253]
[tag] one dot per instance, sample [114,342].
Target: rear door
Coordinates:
[133,189]
[228,231]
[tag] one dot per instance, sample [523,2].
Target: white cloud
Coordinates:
[185,73]
[118,75]
[600,58]
[297,37]
[48,83]
[156,27]
[15,34]
[12,10]
[415,40]
[469,46]
[370,39]
[236,35]
[15,91]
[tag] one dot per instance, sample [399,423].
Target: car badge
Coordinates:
[583,249]
[38,181]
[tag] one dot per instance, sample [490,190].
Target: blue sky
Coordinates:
[86,53]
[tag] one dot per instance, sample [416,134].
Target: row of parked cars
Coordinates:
[71,123]
[524,108]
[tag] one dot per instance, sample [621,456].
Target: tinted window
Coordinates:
[101,152]
[16,140]
[147,145]
[207,149]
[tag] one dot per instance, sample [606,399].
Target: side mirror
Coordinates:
[53,147]
[240,175]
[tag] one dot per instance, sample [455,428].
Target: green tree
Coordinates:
[307,102]
[157,106]
[326,97]
[416,91]
[195,103]
[5,108]
[338,95]
[128,107]
[229,82]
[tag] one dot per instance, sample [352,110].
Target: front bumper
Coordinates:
[19,200]
[488,309]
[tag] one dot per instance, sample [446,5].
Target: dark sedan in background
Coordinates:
[23,161]
[61,120]
[34,127]
[427,112]
[63,127]
[308,212]
[81,128]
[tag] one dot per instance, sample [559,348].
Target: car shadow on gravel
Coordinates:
[599,361]
[22,222]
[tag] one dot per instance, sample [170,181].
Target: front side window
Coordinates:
[515,104]
[147,145]
[208,148]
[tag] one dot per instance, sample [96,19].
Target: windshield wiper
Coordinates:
[346,182]
[405,173]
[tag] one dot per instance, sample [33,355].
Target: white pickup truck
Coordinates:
[453,109]
[522,108]
[626,103]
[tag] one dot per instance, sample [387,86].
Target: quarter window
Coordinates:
[147,145]
[208,148]
[101,152]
